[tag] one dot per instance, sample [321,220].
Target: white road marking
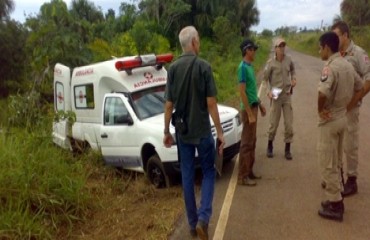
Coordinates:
[224,214]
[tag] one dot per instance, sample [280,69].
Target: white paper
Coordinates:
[276,92]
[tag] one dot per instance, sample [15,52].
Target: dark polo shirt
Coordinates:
[201,86]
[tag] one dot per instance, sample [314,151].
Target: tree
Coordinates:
[127,17]
[6,7]
[356,12]
[248,15]
[267,33]
[13,56]
[224,33]
[337,18]
[166,14]
[243,14]
[55,37]
[86,10]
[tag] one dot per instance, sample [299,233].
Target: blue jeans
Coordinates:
[207,153]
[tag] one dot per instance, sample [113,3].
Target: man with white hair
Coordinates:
[191,90]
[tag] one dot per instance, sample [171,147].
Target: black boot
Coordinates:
[350,187]
[269,149]
[325,204]
[288,155]
[332,210]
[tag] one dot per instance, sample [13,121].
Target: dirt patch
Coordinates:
[127,206]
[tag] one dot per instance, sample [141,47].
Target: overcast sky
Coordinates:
[300,13]
[273,13]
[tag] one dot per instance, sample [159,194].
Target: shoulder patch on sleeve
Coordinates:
[324,74]
[366,59]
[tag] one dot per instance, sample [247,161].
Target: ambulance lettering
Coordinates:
[57,71]
[149,80]
[84,72]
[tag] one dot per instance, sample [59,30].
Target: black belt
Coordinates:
[255,104]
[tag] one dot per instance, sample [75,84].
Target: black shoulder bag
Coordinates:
[178,117]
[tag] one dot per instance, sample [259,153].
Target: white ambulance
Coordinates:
[119,110]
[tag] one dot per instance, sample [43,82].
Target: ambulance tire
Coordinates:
[155,172]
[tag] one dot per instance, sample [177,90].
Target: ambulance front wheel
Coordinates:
[156,173]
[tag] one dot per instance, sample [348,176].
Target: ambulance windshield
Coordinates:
[149,102]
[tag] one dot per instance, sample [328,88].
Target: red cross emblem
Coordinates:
[81,96]
[60,97]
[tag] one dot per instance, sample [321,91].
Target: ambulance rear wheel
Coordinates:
[156,173]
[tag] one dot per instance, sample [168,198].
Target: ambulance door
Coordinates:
[62,103]
[62,88]
[118,146]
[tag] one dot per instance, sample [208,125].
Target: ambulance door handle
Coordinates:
[104,135]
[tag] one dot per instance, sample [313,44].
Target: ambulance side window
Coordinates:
[84,96]
[115,112]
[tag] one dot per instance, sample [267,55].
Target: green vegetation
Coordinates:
[42,187]
[308,42]
[47,192]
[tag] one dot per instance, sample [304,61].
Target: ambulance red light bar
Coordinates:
[144,60]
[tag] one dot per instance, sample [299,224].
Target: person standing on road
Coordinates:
[280,78]
[360,61]
[195,74]
[335,89]
[249,111]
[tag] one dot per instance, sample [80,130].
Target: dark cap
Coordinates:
[247,44]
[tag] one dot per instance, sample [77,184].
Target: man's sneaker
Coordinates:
[202,230]
[350,187]
[247,182]
[332,210]
[252,176]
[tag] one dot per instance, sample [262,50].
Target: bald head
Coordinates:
[189,39]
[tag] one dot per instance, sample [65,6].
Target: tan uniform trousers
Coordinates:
[282,104]
[351,137]
[247,145]
[330,150]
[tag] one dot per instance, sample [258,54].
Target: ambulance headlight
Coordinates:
[238,120]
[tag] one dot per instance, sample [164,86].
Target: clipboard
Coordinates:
[219,161]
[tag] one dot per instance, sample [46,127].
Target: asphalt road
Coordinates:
[285,202]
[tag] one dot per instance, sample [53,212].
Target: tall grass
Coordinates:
[309,42]
[4,113]
[225,66]
[42,187]
[305,42]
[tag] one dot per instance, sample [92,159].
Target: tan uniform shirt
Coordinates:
[337,83]
[279,74]
[359,60]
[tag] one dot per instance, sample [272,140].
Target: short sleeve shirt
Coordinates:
[337,84]
[279,74]
[359,60]
[246,75]
[201,86]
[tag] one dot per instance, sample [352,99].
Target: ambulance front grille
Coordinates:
[227,126]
